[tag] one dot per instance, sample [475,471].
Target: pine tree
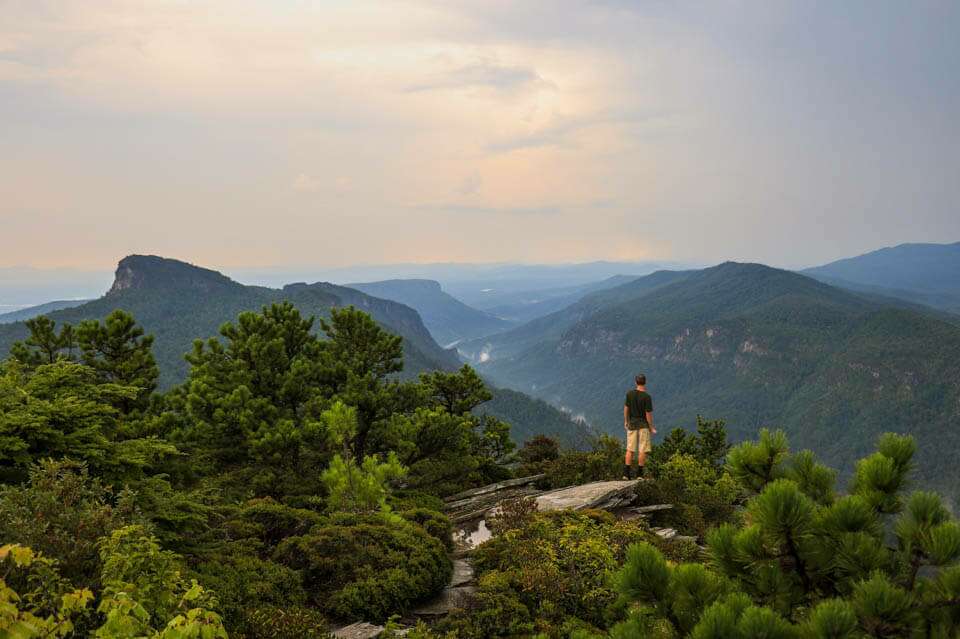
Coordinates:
[121,354]
[807,563]
[458,392]
[44,345]
[363,356]
[356,485]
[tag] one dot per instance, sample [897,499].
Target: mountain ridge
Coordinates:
[179,302]
[448,319]
[757,346]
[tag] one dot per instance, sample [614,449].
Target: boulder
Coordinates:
[598,494]
[359,630]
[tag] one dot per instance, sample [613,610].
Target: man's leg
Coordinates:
[643,447]
[628,459]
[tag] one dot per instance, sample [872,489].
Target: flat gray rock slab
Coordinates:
[462,573]
[642,510]
[596,494]
[359,630]
[493,488]
[445,602]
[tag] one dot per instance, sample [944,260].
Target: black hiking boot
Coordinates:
[639,472]
[627,472]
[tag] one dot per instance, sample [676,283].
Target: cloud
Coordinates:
[510,211]
[719,130]
[484,74]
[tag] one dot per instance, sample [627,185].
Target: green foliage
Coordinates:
[457,393]
[63,513]
[367,566]
[756,464]
[271,522]
[256,594]
[63,410]
[285,623]
[121,354]
[135,567]
[258,397]
[709,444]
[549,568]
[48,608]
[702,496]
[352,486]
[603,462]
[805,563]
[44,345]
[436,524]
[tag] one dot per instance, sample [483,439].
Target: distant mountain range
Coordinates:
[525,306]
[448,319]
[23,314]
[922,273]
[179,302]
[752,344]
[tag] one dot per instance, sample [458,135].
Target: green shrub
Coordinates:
[246,584]
[367,566]
[494,611]
[63,513]
[604,461]
[512,514]
[436,524]
[556,567]
[702,496]
[537,454]
[284,623]
[412,499]
[272,522]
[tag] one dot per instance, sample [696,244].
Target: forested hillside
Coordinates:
[178,302]
[757,345]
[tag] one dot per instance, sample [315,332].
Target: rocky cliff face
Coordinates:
[151,272]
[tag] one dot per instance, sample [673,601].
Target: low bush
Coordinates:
[246,585]
[604,461]
[272,522]
[702,496]
[436,524]
[552,570]
[63,512]
[284,623]
[367,566]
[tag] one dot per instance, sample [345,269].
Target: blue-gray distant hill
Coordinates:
[524,306]
[30,312]
[755,345]
[921,273]
[448,319]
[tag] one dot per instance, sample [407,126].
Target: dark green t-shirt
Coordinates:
[639,403]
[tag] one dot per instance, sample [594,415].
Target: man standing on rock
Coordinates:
[638,422]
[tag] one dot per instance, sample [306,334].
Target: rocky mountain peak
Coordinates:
[136,272]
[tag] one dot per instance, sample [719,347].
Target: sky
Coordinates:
[282,133]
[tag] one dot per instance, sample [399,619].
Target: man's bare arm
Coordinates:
[650,421]
[626,416]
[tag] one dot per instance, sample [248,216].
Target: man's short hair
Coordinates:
[641,379]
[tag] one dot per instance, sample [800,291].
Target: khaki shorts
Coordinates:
[638,440]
